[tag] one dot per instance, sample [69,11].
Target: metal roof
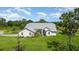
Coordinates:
[34,26]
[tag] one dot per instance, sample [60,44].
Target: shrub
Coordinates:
[37,34]
[58,46]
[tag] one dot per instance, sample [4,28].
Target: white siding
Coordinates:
[48,33]
[26,33]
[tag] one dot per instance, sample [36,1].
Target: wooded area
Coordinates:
[12,27]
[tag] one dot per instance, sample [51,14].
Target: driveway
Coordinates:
[9,35]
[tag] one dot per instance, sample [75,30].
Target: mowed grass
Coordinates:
[34,43]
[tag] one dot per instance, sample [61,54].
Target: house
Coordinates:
[46,29]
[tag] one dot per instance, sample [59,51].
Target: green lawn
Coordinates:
[33,44]
[30,44]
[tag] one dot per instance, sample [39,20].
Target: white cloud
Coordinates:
[41,14]
[60,11]
[11,16]
[14,16]
[64,9]
[3,15]
[23,10]
[55,15]
[8,11]
[29,9]
[68,9]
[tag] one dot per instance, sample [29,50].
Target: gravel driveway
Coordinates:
[9,35]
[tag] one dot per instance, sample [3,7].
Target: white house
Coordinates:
[46,29]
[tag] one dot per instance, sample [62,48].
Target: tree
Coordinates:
[10,23]
[18,23]
[38,33]
[29,21]
[58,25]
[56,46]
[19,46]
[70,25]
[42,21]
[2,21]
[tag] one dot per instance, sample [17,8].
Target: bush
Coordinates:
[58,46]
[37,34]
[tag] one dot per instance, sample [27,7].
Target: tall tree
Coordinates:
[2,21]
[42,21]
[29,21]
[70,26]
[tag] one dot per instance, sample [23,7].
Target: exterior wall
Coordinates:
[26,33]
[50,33]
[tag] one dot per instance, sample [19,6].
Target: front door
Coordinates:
[44,32]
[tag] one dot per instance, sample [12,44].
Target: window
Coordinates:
[21,33]
[30,33]
[48,32]
[44,32]
[53,31]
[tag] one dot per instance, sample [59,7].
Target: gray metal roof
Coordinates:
[34,26]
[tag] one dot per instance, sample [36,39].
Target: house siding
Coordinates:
[49,33]
[46,29]
[26,33]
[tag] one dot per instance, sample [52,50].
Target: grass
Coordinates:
[10,30]
[34,43]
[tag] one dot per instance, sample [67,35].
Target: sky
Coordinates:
[33,13]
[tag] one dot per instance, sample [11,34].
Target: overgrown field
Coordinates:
[34,43]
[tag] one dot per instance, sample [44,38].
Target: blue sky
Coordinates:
[33,13]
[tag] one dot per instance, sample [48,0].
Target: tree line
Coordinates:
[18,23]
